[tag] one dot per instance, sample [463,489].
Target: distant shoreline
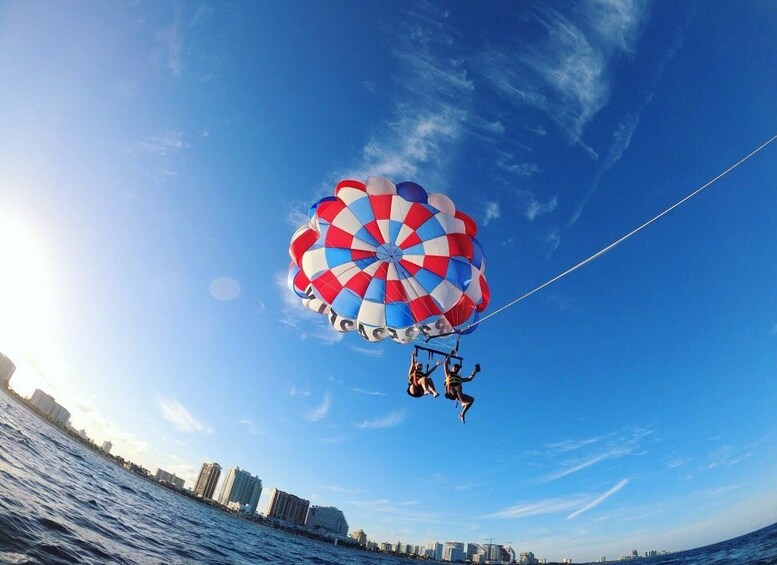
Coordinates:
[257,520]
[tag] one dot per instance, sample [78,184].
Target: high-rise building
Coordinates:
[107,446]
[360,537]
[472,549]
[436,548]
[206,481]
[46,404]
[327,518]
[241,487]
[165,477]
[7,369]
[288,507]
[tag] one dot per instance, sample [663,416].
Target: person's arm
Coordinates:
[447,361]
[471,376]
[432,370]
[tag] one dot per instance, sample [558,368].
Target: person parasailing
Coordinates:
[419,382]
[453,382]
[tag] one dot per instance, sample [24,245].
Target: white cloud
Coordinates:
[303,321]
[415,139]
[368,351]
[574,444]
[621,139]
[506,162]
[175,413]
[320,412]
[598,500]
[567,75]
[548,506]
[430,114]
[299,391]
[255,430]
[170,47]
[368,392]
[585,464]
[297,215]
[164,144]
[678,462]
[388,421]
[536,208]
[492,212]
[594,450]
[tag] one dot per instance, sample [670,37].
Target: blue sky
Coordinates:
[155,159]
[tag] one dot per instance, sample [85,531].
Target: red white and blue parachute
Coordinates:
[389,261]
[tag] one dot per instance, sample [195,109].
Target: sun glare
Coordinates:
[25,300]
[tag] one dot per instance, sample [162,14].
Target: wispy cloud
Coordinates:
[303,321]
[255,430]
[578,503]
[368,392]
[169,48]
[374,351]
[492,212]
[728,456]
[590,451]
[506,162]
[574,444]
[598,500]
[407,510]
[431,110]
[774,330]
[342,490]
[296,391]
[622,135]
[175,413]
[548,506]
[621,139]
[164,144]
[320,412]
[536,208]
[678,462]
[585,464]
[567,75]
[388,421]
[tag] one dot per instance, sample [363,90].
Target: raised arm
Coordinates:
[471,376]
[434,367]
[447,361]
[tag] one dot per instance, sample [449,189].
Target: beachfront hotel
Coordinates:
[206,482]
[241,488]
[285,506]
[46,404]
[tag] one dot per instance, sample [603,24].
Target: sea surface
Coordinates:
[61,503]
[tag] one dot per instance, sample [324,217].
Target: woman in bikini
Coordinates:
[419,382]
[453,381]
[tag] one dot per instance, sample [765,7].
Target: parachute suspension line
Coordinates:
[624,238]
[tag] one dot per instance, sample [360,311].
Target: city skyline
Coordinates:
[157,158]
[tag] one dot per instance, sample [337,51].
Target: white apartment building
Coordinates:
[241,487]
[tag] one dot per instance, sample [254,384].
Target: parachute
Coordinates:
[390,261]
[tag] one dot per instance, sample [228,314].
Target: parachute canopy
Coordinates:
[389,261]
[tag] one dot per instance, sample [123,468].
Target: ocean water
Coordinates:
[61,504]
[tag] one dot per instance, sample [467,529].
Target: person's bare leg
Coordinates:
[429,386]
[466,403]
